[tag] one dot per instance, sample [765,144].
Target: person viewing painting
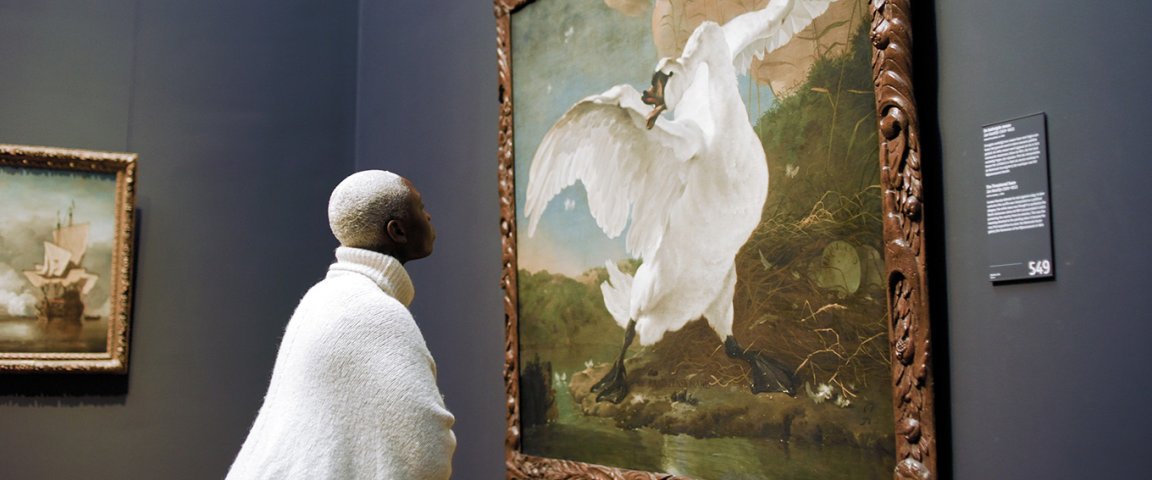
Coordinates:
[353,392]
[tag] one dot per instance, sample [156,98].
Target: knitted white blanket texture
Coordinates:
[353,393]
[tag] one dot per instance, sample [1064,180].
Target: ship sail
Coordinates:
[77,275]
[73,238]
[35,278]
[56,259]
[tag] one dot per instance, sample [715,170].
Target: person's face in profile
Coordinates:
[421,233]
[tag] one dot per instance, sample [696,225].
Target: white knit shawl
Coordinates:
[353,393]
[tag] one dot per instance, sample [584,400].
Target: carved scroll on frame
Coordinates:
[834,266]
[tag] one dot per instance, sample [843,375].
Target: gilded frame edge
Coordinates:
[123,165]
[905,257]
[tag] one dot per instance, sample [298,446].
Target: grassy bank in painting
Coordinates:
[686,384]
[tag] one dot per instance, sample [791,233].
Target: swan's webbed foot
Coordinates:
[614,386]
[768,374]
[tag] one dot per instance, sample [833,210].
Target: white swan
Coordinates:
[693,185]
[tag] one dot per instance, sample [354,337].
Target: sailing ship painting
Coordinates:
[63,282]
[56,243]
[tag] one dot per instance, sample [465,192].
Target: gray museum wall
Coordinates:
[242,114]
[246,113]
[426,108]
[1048,380]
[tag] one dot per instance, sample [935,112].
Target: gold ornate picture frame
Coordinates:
[66,259]
[824,375]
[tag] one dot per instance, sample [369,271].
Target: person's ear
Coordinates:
[397,232]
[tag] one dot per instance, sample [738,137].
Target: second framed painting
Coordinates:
[67,222]
[713,262]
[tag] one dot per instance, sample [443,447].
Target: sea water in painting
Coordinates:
[57,231]
[700,283]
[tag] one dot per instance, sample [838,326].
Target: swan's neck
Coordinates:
[707,45]
[711,95]
[707,52]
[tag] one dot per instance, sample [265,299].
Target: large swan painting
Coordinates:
[679,171]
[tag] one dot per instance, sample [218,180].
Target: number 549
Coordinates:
[1039,267]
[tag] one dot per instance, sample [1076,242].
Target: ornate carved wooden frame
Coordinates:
[905,257]
[123,166]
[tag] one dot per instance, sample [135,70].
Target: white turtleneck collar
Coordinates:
[385,271]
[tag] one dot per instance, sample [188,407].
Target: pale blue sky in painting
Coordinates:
[563,51]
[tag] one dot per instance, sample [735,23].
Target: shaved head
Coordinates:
[363,204]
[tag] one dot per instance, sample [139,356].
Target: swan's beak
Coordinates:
[655,96]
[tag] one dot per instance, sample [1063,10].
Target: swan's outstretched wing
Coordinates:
[626,169]
[755,33]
